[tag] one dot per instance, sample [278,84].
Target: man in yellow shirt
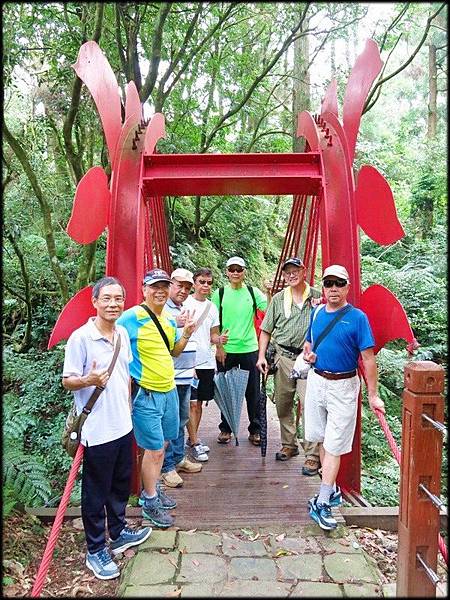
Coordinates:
[154,340]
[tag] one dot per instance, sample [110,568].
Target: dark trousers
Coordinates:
[247,361]
[105,488]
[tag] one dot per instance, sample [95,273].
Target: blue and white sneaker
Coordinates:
[154,512]
[321,514]
[102,564]
[335,498]
[203,446]
[128,538]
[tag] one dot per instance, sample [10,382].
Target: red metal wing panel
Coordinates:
[125,246]
[366,68]
[75,314]
[330,103]
[90,207]
[306,127]
[133,104]
[155,131]
[375,207]
[93,68]
[387,317]
[338,226]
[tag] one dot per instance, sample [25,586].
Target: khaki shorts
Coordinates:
[330,412]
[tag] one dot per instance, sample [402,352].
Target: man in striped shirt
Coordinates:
[175,458]
[285,325]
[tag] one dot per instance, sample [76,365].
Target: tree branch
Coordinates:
[368,104]
[155,59]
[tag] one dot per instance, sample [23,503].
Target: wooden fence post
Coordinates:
[421,459]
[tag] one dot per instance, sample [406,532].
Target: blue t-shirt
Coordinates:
[338,352]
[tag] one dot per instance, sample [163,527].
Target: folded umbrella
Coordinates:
[229,393]
[263,416]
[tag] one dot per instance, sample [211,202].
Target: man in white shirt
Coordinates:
[206,333]
[107,432]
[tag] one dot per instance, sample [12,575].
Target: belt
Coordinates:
[333,376]
[291,349]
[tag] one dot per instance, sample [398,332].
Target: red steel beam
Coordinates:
[224,174]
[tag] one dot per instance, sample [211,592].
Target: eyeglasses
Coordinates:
[328,283]
[204,282]
[235,269]
[107,300]
[288,274]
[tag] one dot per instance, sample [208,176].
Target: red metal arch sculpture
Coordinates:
[327,201]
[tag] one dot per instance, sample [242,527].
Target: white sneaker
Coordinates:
[189,445]
[199,454]
[205,448]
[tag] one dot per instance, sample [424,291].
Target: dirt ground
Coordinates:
[25,537]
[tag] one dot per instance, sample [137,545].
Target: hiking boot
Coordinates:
[321,514]
[199,454]
[188,466]
[171,479]
[204,447]
[311,467]
[224,437]
[166,501]
[128,538]
[255,439]
[335,498]
[286,453]
[156,514]
[102,564]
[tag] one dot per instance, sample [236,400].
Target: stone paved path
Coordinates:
[252,563]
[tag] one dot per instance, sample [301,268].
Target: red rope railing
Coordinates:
[48,553]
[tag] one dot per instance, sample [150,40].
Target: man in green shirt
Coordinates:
[286,324]
[237,313]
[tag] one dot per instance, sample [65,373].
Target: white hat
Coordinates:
[182,275]
[235,260]
[337,271]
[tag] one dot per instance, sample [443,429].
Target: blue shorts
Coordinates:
[156,418]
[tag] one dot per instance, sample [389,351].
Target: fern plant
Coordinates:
[25,477]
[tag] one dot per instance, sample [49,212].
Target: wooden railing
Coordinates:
[420,480]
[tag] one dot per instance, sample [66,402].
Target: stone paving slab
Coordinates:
[307,567]
[300,562]
[314,589]
[258,569]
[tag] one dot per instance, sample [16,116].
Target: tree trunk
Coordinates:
[301,93]
[432,92]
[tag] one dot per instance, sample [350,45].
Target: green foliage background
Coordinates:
[393,137]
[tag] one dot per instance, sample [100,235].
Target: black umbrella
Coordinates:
[263,415]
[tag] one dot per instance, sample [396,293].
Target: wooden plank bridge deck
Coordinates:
[237,487]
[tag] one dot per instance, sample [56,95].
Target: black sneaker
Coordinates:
[321,514]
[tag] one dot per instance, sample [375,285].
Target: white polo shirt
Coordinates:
[206,357]
[110,418]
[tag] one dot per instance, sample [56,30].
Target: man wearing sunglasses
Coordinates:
[333,385]
[241,348]
[285,324]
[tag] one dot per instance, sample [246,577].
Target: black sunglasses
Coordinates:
[328,283]
[235,269]
[204,282]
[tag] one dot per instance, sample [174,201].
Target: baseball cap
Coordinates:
[337,271]
[154,276]
[236,260]
[295,261]
[182,275]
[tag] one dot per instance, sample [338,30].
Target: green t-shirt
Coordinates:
[237,317]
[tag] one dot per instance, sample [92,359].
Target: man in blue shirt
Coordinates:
[333,385]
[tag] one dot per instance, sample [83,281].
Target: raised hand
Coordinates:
[97,377]
[181,318]
[189,324]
